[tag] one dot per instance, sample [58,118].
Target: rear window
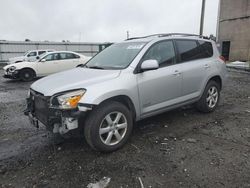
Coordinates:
[193,50]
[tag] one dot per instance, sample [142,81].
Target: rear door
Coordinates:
[68,61]
[159,88]
[195,60]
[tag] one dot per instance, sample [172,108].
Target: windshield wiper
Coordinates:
[95,67]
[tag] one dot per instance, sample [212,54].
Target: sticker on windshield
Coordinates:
[134,47]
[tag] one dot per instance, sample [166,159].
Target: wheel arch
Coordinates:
[125,100]
[28,68]
[217,79]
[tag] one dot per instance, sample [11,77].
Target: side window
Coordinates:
[52,57]
[68,56]
[163,52]
[76,56]
[41,52]
[206,49]
[63,56]
[188,50]
[31,54]
[192,50]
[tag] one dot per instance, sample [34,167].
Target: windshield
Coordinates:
[26,53]
[117,56]
[42,56]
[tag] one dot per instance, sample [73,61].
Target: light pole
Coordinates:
[218,22]
[127,34]
[202,16]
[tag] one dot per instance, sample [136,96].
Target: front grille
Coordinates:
[41,107]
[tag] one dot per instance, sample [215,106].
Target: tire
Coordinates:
[210,98]
[27,75]
[114,133]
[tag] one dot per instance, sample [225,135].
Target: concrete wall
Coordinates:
[234,26]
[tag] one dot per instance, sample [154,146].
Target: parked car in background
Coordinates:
[49,63]
[127,82]
[28,56]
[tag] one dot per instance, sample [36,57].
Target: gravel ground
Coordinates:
[181,148]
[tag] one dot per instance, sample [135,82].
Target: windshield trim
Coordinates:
[118,68]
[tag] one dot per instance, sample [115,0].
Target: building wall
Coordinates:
[234,26]
[10,49]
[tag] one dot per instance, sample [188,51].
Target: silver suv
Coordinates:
[127,82]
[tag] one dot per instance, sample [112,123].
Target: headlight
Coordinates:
[68,100]
[12,69]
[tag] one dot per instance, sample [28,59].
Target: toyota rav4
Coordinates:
[127,82]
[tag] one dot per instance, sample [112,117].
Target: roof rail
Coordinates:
[184,35]
[169,35]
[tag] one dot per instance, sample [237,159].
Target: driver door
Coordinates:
[48,64]
[159,88]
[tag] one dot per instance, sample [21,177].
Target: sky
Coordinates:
[101,20]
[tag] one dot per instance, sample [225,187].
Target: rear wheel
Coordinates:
[108,127]
[27,75]
[210,98]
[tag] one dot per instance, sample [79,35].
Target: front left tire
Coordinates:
[108,126]
[27,75]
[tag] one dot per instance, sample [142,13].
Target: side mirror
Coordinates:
[150,64]
[37,57]
[43,60]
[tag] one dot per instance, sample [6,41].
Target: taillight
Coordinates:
[223,59]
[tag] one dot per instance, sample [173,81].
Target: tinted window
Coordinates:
[188,50]
[41,52]
[31,54]
[76,56]
[163,52]
[51,57]
[206,49]
[192,50]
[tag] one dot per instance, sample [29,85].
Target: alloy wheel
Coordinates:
[212,97]
[113,128]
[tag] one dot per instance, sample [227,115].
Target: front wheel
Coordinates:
[108,127]
[210,98]
[27,75]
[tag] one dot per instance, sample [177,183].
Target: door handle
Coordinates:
[206,66]
[176,73]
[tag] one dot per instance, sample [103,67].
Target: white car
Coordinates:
[49,63]
[28,56]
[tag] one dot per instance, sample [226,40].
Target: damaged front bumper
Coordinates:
[11,75]
[55,120]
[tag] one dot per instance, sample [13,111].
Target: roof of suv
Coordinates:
[168,35]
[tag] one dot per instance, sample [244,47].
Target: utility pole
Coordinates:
[202,16]
[218,22]
[127,34]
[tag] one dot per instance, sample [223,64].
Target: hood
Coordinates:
[19,65]
[73,79]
